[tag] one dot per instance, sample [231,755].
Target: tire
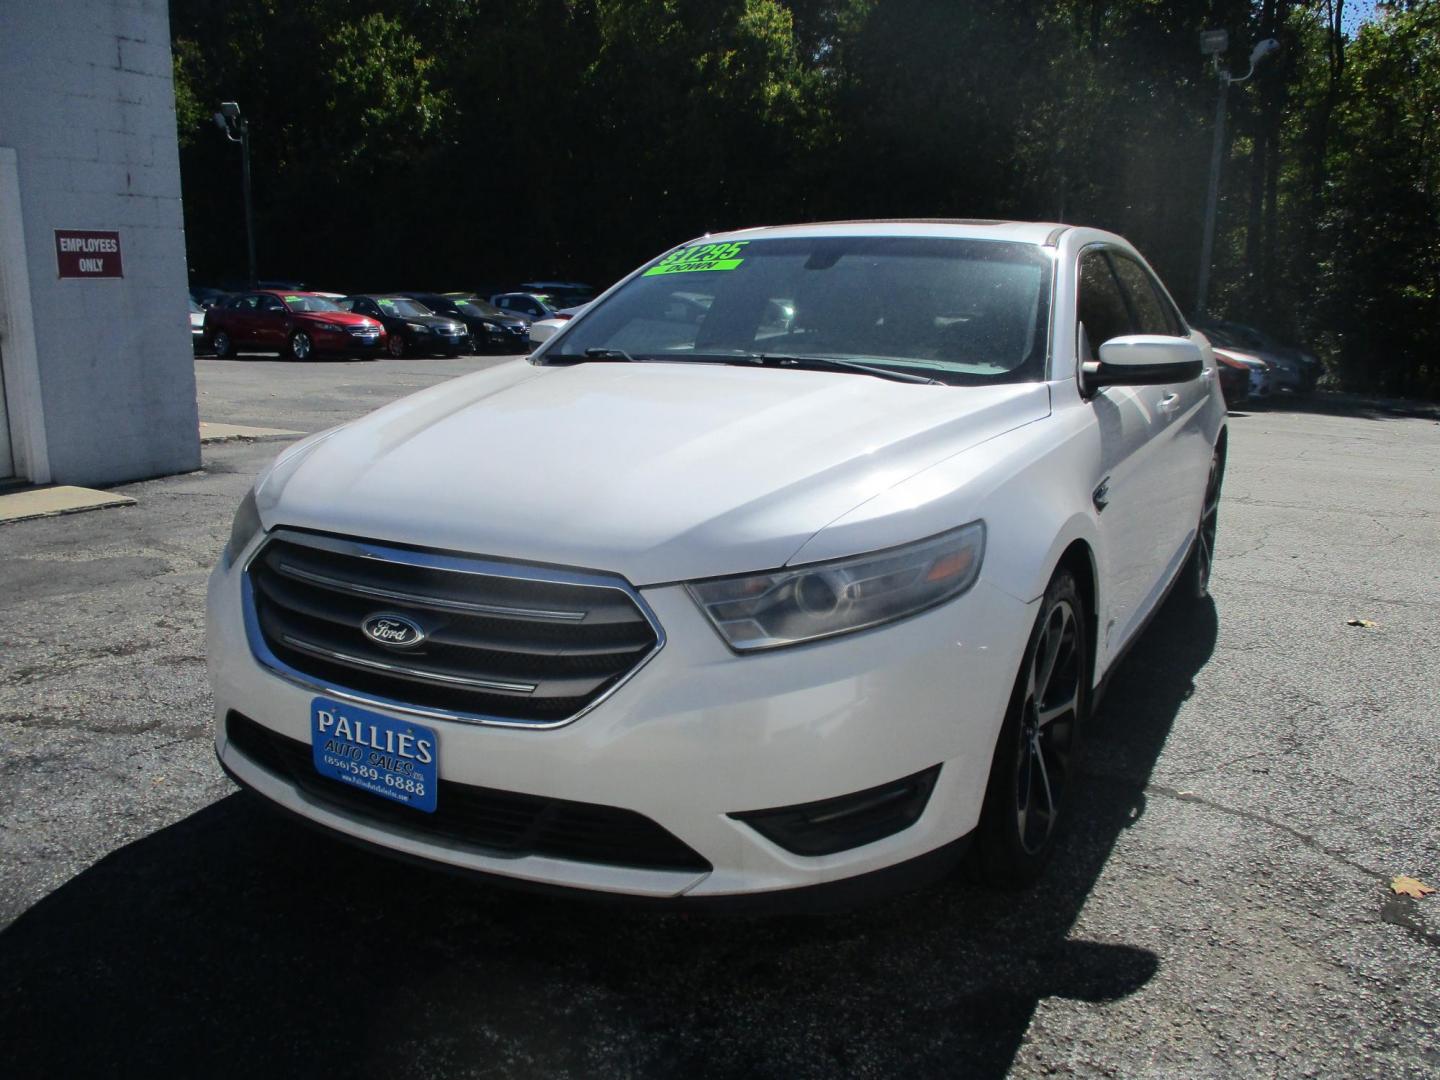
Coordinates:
[301,347]
[223,347]
[1033,771]
[1195,577]
[395,346]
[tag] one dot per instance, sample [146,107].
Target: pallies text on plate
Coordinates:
[390,742]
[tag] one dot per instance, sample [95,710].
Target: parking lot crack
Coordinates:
[1303,838]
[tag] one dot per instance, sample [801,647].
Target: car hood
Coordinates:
[657,471]
[435,322]
[338,318]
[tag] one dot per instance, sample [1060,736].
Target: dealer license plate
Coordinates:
[394,759]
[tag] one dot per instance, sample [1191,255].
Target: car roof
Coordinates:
[292,292]
[1025,232]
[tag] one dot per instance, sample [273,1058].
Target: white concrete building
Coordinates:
[97,382]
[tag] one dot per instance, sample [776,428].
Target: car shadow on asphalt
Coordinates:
[235,943]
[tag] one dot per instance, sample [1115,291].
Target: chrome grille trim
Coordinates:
[428,601]
[429,560]
[409,673]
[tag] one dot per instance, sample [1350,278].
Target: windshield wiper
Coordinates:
[610,354]
[834,362]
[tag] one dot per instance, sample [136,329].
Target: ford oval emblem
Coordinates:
[392,631]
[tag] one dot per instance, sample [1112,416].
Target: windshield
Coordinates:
[475,307]
[399,305]
[195,309]
[960,311]
[310,303]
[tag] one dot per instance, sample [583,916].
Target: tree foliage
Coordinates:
[461,144]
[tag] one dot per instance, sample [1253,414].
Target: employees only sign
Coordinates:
[88,253]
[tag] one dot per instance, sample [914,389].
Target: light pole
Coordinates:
[1212,44]
[237,129]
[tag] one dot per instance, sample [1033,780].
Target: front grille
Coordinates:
[507,643]
[501,823]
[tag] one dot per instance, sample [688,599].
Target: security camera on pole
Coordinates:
[237,129]
[1212,44]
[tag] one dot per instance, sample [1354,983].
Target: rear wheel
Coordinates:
[396,346]
[222,345]
[301,347]
[1034,765]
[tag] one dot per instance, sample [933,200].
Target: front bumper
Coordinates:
[342,341]
[699,734]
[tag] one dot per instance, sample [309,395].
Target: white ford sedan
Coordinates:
[794,563]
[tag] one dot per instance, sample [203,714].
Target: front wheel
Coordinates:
[1035,759]
[223,347]
[301,347]
[1195,577]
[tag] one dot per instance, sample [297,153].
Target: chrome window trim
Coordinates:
[433,560]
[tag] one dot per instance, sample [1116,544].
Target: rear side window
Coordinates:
[1100,306]
[1153,313]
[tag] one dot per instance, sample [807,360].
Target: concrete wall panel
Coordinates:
[90,112]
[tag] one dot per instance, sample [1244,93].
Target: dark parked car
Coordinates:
[490,329]
[410,326]
[295,324]
[528,306]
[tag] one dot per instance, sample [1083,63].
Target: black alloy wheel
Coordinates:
[1036,756]
[1202,553]
[222,346]
[301,347]
[395,346]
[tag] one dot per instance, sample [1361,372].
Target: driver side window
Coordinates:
[1099,307]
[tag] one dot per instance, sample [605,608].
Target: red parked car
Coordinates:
[295,324]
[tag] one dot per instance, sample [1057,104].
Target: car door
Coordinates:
[1182,456]
[1129,492]
[239,319]
[271,322]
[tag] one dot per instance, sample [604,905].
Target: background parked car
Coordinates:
[1259,370]
[489,328]
[564,293]
[527,306]
[542,330]
[197,326]
[410,326]
[1234,377]
[295,324]
[207,296]
[1291,369]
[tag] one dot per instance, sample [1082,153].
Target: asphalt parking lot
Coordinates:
[1259,772]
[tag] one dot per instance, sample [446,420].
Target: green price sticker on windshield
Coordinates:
[700,257]
[294,299]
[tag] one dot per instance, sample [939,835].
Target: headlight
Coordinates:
[419,328]
[244,528]
[803,603]
[328,326]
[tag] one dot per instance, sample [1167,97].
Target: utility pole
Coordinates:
[237,129]
[1212,44]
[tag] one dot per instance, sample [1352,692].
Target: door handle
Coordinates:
[1169,403]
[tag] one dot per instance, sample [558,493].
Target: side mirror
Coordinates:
[1142,360]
